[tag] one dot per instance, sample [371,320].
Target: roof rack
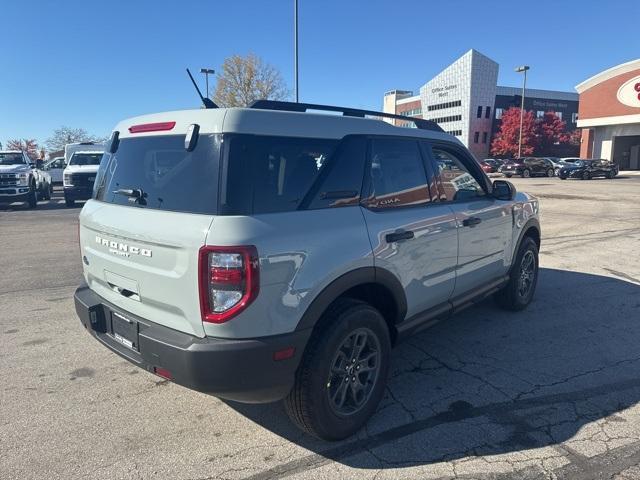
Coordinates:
[347,112]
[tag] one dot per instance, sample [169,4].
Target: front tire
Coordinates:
[33,196]
[518,292]
[343,372]
[550,172]
[586,176]
[526,174]
[69,202]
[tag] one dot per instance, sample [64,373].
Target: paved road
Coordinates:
[551,392]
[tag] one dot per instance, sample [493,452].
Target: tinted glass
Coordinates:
[11,158]
[457,183]
[170,177]
[340,183]
[397,174]
[264,174]
[85,159]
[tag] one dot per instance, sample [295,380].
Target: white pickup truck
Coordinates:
[22,180]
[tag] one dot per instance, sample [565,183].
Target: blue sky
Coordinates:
[89,63]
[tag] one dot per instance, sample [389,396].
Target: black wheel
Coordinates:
[69,202]
[518,292]
[526,173]
[586,176]
[550,172]
[508,176]
[343,372]
[611,174]
[33,196]
[563,178]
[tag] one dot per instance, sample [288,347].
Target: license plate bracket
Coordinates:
[124,330]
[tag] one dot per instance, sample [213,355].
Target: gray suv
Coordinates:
[269,253]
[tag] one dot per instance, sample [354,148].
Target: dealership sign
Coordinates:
[629,92]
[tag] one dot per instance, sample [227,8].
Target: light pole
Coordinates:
[295,47]
[521,69]
[206,72]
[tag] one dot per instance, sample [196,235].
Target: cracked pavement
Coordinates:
[548,393]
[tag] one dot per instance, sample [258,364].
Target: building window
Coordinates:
[498,113]
[451,118]
[559,114]
[484,137]
[479,112]
[539,114]
[440,106]
[476,136]
[574,117]
[487,112]
[456,133]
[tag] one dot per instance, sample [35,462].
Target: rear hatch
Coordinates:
[153,204]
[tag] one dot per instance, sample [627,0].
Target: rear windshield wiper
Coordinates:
[136,195]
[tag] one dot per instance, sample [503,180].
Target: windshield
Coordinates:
[581,163]
[86,158]
[11,158]
[166,176]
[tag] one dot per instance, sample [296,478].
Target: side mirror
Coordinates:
[503,190]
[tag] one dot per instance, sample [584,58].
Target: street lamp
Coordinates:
[206,72]
[295,49]
[522,69]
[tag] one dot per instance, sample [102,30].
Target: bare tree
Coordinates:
[28,145]
[246,79]
[63,135]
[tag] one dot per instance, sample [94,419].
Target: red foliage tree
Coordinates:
[28,145]
[551,131]
[505,142]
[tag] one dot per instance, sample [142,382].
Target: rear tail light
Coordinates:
[229,281]
[152,127]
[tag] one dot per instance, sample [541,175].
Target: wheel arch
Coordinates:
[376,286]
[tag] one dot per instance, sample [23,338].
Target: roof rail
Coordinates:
[346,111]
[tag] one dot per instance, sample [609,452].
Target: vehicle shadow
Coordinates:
[488,382]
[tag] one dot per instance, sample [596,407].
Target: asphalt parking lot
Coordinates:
[551,392]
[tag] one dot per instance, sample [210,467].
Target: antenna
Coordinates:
[207,102]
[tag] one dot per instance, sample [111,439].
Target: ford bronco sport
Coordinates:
[269,253]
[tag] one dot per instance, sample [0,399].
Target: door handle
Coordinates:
[397,236]
[471,221]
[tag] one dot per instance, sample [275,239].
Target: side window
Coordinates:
[397,174]
[265,174]
[456,182]
[340,182]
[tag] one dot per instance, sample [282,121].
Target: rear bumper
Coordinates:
[78,193]
[240,370]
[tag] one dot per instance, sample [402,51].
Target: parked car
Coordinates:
[588,169]
[79,176]
[558,163]
[528,167]
[286,264]
[71,148]
[494,162]
[55,168]
[487,167]
[22,179]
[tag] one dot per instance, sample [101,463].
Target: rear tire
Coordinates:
[611,174]
[586,176]
[518,292]
[550,172]
[313,401]
[526,173]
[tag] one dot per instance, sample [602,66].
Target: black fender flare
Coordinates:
[354,278]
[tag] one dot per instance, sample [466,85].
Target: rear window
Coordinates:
[267,174]
[167,176]
[86,159]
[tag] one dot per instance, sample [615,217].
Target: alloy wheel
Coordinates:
[527,274]
[354,372]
